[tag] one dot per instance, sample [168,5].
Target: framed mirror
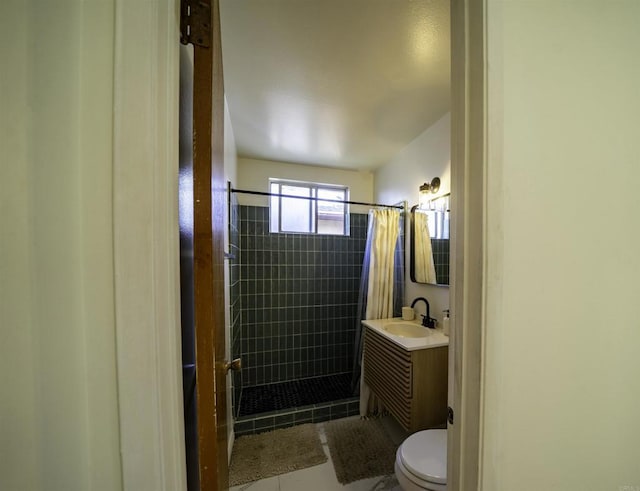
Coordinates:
[429,247]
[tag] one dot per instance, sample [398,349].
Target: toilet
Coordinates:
[421,461]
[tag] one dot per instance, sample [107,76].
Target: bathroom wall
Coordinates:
[230,174]
[59,407]
[19,398]
[562,329]
[254,175]
[234,303]
[426,157]
[297,259]
[299,296]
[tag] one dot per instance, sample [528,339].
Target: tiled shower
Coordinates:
[293,317]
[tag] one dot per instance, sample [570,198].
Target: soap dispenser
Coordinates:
[445,323]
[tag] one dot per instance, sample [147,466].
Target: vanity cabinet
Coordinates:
[412,385]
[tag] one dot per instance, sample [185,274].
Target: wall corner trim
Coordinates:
[146,246]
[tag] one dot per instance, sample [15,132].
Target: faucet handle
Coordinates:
[428,321]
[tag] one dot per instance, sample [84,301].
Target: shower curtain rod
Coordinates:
[262,193]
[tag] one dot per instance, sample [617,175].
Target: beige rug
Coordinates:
[360,448]
[275,452]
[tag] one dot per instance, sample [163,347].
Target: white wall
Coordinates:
[254,175]
[230,174]
[19,460]
[59,413]
[230,152]
[562,341]
[426,157]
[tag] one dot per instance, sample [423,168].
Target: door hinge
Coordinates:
[450,415]
[195,23]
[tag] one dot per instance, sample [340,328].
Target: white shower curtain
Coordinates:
[425,270]
[384,236]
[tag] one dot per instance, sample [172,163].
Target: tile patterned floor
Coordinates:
[322,477]
[295,393]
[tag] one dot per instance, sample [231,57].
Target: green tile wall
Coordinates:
[298,299]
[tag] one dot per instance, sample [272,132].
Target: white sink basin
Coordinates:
[406,330]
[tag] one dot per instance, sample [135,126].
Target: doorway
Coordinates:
[468,64]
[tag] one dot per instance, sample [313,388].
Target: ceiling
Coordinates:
[340,83]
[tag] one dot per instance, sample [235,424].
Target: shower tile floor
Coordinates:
[296,393]
[323,477]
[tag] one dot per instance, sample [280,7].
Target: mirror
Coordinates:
[429,254]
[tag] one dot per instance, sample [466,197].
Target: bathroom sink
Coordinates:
[406,330]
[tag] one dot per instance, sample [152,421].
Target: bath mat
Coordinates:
[275,452]
[360,448]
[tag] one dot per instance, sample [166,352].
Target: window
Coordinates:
[289,214]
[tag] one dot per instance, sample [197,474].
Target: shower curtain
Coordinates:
[425,270]
[381,290]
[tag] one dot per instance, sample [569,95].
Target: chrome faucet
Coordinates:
[427,321]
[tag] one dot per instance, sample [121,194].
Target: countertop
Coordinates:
[435,338]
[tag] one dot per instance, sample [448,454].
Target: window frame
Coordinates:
[314,214]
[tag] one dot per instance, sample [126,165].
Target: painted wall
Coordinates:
[426,157]
[235,304]
[230,174]
[230,152]
[254,175]
[562,314]
[18,403]
[59,413]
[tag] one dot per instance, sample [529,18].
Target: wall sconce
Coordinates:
[425,190]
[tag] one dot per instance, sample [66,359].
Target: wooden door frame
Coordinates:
[209,198]
[468,196]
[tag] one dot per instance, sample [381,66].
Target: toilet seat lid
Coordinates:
[424,454]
